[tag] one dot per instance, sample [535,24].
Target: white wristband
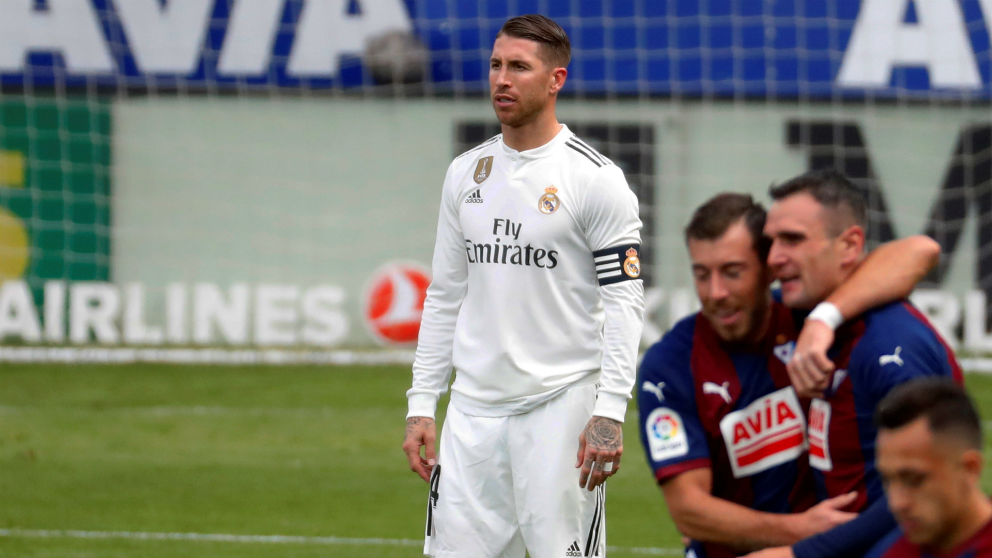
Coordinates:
[827,313]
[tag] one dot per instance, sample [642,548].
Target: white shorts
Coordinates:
[504,486]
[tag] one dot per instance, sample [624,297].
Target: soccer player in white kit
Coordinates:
[537,305]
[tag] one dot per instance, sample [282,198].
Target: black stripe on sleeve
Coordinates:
[617,263]
[589,156]
[592,149]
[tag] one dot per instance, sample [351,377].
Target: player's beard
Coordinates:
[748,330]
[523,112]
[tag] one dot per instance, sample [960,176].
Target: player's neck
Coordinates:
[972,518]
[533,134]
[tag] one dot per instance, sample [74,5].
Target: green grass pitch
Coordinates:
[156,460]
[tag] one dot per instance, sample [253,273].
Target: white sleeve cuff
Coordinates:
[421,405]
[611,406]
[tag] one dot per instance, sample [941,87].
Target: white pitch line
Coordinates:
[267,539]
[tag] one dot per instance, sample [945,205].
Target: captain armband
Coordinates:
[617,263]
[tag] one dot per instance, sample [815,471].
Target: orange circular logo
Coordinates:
[394,302]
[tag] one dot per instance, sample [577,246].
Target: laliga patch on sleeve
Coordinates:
[666,434]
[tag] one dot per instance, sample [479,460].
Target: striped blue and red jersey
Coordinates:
[731,408]
[883,348]
[978,545]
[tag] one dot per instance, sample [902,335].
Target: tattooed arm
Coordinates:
[420,432]
[600,448]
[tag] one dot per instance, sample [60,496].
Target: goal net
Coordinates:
[199,178]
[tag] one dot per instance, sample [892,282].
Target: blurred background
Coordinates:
[256,182]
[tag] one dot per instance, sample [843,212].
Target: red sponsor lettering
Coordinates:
[783,412]
[816,419]
[740,433]
[763,419]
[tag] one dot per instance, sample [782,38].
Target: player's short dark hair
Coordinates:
[832,190]
[556,49]
[945,405]
[712,219]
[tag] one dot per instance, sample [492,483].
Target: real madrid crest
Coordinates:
[483,169]
[632,265]
[549,202]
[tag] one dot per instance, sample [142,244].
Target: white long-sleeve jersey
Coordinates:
[535,282]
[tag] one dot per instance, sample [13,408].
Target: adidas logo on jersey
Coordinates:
[574,550]
[474,197]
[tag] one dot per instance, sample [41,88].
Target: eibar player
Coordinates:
[537,305]
[817,226]
[930,459]
[723,430]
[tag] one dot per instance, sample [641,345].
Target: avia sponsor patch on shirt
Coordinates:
[768,432]
[819,428]
[666,434]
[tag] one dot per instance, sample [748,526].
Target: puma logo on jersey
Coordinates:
[655,389]
[474,197]
[722,390]
[894,357]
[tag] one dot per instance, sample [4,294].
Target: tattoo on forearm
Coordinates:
[413,423]
[604,433]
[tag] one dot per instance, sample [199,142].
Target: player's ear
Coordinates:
[971,461]
[558,76]
[852,244]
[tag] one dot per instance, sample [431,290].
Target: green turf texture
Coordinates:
[310,452]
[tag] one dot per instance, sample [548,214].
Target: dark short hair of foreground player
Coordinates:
[930,460]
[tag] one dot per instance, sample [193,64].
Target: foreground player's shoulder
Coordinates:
[480,150]
[583,156]
[899,322]
[898,343]
[591,169]
[470,169]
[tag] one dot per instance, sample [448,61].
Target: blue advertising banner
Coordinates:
[806,49]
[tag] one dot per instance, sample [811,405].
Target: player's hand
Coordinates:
[809,368]
[772,552]
[826,515]
[420,433]
[600,448]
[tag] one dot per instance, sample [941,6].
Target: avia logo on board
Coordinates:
[394,302]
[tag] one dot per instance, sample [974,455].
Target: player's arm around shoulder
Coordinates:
[889,273]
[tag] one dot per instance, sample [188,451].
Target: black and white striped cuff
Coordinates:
[617,263]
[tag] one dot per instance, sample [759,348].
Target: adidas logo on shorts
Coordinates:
[574,550]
